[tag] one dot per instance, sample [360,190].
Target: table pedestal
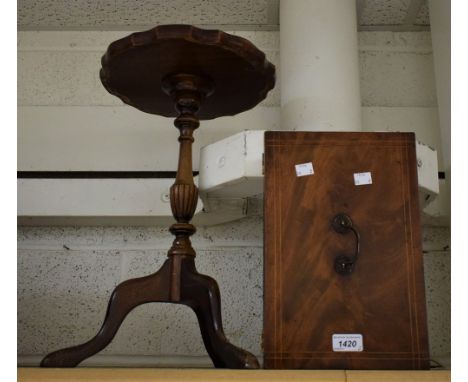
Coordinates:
[191,74]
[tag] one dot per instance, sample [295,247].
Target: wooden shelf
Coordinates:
[219,375]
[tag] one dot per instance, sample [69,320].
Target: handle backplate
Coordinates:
[342,224]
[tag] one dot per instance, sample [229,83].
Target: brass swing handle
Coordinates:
[342,223]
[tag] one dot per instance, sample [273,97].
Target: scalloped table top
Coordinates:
[134,67]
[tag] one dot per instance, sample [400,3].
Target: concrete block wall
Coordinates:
[70,122]
[66,275]
[66,121]
[436,251]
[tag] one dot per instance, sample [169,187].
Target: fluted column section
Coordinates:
[187,92]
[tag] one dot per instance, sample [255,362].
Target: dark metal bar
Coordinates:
[96,174]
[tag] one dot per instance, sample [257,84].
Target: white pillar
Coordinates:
[319,65]
[440,32]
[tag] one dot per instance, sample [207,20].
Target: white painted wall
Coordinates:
[66,121]
[66,275]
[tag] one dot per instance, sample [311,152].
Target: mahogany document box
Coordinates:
[344,286]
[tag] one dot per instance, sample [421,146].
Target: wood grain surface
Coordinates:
[185,375]
[134,67]
[306,300]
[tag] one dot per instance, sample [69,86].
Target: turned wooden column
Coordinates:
[187,92]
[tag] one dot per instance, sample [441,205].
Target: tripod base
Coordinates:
[200,292]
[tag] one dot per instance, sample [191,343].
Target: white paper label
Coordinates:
[347,342]
[304,169]
[361,178]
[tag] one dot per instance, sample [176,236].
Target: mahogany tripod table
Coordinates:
[189,74]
